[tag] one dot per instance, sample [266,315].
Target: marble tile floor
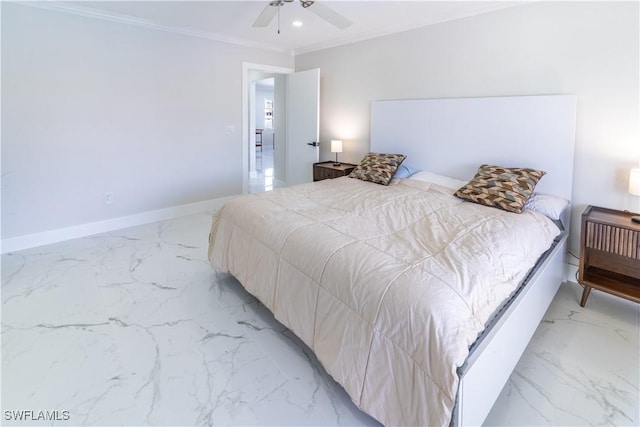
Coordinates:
[134,328]
[265,173]
[581,368]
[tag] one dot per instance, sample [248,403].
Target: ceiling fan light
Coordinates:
[318,9]
[297,23]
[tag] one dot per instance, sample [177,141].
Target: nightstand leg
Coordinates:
[585,295]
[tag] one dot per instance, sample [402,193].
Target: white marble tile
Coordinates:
[580,368]
[134,328]
[265,172]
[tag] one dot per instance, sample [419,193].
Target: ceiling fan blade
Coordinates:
[266,16]
[329,15]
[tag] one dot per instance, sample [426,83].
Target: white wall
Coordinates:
[90,106]
[590,49]
[261,94]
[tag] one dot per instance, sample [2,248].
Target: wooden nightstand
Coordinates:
[326,170]
[609,253]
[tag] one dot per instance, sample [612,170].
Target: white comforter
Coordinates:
[388,285]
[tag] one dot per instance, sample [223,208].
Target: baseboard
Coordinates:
[27,241]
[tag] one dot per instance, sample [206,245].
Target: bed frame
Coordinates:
[453,137]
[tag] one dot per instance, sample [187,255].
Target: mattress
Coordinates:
[388,285]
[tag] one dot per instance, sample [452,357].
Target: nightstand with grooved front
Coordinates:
[328,170]
[609,253]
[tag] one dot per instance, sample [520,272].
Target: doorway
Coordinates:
[266,162]
[257,176]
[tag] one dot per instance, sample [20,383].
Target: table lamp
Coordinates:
[336,147]
[634,187]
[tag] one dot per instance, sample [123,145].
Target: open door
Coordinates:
[303,112]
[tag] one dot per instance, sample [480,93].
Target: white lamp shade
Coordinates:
[634,182]
[336,146]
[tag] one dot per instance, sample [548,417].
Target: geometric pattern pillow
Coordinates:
[499,187]
[378,168]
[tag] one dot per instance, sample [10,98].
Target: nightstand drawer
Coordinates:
[324,173]
[613,239]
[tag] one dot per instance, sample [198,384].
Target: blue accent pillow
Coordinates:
[405,171]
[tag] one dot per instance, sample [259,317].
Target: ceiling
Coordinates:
[231,21]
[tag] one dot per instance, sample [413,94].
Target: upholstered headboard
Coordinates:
[454,136]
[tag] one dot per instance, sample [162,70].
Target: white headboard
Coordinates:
[454,136]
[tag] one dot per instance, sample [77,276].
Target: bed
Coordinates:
[394,287]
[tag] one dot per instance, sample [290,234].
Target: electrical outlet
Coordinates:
[108,197]
[231,129]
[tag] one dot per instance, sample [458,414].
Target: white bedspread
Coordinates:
[388,285]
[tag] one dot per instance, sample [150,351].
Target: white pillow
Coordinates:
[550,206]
[434,178]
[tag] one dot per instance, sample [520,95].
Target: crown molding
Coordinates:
[88,12]
[368,35]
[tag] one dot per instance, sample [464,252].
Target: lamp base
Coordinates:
[337,164]
[635,219]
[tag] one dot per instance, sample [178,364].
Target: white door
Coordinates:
[303,112]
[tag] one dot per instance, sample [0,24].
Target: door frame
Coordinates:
[246,141]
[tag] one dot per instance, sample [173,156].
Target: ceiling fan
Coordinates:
[324,12]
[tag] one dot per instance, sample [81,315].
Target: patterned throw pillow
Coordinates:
[377,167]
[503,188]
